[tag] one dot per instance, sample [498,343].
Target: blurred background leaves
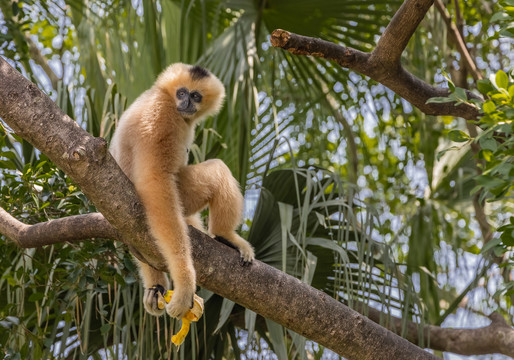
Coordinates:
[346,186]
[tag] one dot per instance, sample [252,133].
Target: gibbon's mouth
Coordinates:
[186,108]
[187,111]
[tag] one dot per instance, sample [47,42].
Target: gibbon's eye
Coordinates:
[196,96]
[182,93]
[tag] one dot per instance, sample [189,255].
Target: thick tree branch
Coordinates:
[259,287]
[72,229]
[383,64]
[498,337]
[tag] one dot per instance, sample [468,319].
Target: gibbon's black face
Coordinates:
[194,91]
[188,101]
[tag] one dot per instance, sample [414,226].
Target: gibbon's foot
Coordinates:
[180,303]
[247,254]
[246,250]
[151,300]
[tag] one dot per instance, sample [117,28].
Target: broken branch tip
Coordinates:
[279,37]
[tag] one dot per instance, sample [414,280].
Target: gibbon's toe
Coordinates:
[180,305]
[245,249]
[151,299]
[244,263]
[247,255]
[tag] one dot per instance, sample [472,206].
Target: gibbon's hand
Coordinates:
[180,303]
[151,299]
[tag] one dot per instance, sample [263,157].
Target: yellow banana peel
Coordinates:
[194,314]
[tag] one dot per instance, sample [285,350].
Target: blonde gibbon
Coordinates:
[151,145]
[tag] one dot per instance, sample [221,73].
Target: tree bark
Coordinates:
[71,228]
[497,337]
[383,64]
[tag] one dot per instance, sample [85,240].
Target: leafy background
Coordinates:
[346,185]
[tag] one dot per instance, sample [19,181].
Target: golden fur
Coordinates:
[150,145]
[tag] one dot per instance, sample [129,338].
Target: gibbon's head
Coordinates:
[197,92]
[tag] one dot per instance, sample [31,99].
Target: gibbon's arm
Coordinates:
[159,194]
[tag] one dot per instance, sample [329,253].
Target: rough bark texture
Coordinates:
[265,290]
[298,306]
[260,287]
[384,63]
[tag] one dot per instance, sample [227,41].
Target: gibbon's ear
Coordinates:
[196,91]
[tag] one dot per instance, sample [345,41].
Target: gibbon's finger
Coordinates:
[151,299]
[244,262]
[247,253]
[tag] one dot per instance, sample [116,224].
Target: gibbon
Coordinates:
[151,146]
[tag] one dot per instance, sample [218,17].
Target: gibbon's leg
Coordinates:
[195,221]
[159,194]
[211,183]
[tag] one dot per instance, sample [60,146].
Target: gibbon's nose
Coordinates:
[186,106]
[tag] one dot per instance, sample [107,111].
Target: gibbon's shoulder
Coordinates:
[146,102]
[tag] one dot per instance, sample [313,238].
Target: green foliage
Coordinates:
[505,18]
[497,154]
[40,309]
[397,221]
[306,224]
[496,141]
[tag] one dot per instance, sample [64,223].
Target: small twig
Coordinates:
[458,40]
[395,77]
[458,17]
[305,45]
[34,52]
[42,61]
